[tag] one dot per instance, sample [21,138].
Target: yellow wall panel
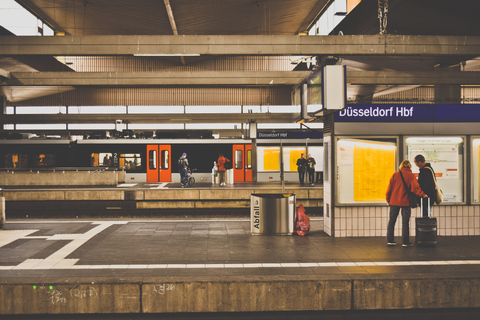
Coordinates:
[373,167]
[271,159]
[294,156]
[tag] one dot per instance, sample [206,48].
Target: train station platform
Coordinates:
[150,266]
[134,199]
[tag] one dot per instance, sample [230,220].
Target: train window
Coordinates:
[238,159]
[249,159]
[131,161]
[165,159]
[290,157]
[152,159]
[44,160]
[16,160]
[101,160]
[268,158]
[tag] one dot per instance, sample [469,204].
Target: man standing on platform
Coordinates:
[182,168]
[311,169]
[427,183]
[301,167]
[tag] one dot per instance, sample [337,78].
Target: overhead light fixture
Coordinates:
[166,54]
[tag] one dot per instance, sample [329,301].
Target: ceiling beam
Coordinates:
[150,118]
[204,78]
[413,78]
[235,78]
[187,45]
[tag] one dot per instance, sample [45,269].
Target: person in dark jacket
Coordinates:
[301,167]
[397,198]
[427,183]
[311,169]
[183,169]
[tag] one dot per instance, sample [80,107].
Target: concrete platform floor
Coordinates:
[197,247]
[163,255]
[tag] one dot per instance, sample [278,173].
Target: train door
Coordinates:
[242,163]
[159,163]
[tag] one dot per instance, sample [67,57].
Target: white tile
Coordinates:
[439,263]
[274,265]
[100,266]
[308,264]
[6,267]
[365,264]
[65,264]
[138,266]
[386,263]
[327,264]
[346,264]
[471,261]
[176,266]
[402,263]
[456,262]
[215,266]
[420,263]
[157,266]
[195,266]
[119,266]
[252,265]
[290,265]
[234,265]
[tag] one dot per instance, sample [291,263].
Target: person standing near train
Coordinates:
[301,168]
[311,169]
[183,168]
[221,168]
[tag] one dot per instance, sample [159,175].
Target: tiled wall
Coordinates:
[372,221]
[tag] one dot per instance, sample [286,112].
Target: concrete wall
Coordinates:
[237,295]
[61,178]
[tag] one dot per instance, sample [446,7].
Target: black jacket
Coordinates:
[426,181]
[302,164]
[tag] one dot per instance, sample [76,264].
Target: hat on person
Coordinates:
[184,154]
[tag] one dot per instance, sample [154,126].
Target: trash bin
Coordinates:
[272,214]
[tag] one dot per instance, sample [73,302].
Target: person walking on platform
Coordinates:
[182,168]
[311,169]
[221,168]
[301,167]
[427,183]
[397,198]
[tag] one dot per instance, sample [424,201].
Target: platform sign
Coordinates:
[409,113]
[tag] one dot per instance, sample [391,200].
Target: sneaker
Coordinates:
[391,244]
[407,245]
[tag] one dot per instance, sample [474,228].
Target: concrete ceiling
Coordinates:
[248,17]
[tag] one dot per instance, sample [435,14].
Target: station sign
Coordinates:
[290,135]
[409,113]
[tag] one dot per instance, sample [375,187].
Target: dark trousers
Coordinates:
[301,176]
[406,213]
[183,176]
[311,175]
[427,204]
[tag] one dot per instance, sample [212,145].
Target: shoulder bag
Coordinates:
[412,197]
[438,191]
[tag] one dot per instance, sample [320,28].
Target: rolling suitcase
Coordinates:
[426,229]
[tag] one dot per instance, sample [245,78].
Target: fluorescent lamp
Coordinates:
[166,54]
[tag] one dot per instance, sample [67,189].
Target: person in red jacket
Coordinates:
[221,168]
[397,198]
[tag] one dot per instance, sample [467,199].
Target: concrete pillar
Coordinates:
[445,93]
[2,210]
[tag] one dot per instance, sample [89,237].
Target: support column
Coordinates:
[445,93]
[2,210]
[252,127]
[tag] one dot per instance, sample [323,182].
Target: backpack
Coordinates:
[180,163]
[227,165]
[302,225]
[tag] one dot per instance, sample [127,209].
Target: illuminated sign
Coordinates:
[409,113]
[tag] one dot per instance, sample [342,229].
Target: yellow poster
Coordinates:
[294,156]
[271,159]
[374,164]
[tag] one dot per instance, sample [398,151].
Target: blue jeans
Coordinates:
[406,213]
[183,176]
